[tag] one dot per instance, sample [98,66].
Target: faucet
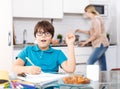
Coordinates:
[24,36]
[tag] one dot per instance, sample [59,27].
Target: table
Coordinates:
[107,80]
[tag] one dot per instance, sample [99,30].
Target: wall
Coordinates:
[5,27]
[69,22]
[118,31]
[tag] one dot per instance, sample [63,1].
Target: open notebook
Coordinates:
[43,78]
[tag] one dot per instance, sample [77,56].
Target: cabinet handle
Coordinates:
[9,39]
[81,63]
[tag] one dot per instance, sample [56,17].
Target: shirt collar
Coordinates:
[36,48]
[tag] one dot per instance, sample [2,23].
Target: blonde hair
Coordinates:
[91,9]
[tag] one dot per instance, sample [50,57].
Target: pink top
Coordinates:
[97,30]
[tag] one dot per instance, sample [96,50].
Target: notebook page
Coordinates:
[42,78]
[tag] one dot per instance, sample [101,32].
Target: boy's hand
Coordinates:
[33,70]
[70,38]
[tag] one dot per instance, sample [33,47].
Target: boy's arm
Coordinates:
[70,64]
[19,68]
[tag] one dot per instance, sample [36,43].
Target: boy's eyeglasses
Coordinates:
[45,33]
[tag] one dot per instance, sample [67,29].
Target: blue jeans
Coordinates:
[99,54]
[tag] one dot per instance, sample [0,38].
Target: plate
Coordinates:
[61,83]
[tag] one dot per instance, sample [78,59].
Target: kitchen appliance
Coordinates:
[101,8]
[77,39]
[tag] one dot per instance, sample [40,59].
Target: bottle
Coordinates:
[24,36]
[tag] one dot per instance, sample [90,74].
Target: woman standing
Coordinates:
[97,37]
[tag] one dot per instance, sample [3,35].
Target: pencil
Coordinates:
[30,61]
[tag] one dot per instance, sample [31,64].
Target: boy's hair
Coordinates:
[46,26]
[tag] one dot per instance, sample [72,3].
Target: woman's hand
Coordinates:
[33,70]
[77,30]
[70,38]
[83,43]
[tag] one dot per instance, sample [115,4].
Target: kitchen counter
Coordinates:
[21,46]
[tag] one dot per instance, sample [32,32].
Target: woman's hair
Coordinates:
[46,26]
[91,9]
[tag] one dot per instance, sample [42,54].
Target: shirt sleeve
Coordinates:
[23,54]
[61,57]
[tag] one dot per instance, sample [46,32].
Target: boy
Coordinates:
[44,57]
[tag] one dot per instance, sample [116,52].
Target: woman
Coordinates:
[42,55]
[97,38]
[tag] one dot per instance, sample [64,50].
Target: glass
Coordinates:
[45,33]
[107,80]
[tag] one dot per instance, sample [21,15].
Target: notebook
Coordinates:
[43,78]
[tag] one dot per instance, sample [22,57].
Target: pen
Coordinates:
[30,61]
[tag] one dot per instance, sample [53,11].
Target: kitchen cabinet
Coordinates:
[27,8]
[52,9]
[82,54]
[5,35]
[74,6]
[111,57]
[37,8]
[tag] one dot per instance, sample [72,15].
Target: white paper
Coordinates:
[43,78]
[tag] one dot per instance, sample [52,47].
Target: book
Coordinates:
[43,78]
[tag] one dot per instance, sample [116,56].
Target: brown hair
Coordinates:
[91,9]
[45,25]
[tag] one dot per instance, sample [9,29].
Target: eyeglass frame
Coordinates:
[40,33]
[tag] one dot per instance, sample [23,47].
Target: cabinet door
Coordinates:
[111,57]
[52,9]
[27,8]
[5,35]
[74,6]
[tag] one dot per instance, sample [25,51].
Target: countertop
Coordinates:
[21,46]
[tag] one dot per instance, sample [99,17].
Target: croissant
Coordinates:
[76,79]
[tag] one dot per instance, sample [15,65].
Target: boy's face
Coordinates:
[43,39]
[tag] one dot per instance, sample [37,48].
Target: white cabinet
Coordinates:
[52,9]
[74,6]
[111,57]
[27,8]
[38,8]
[5,35]
[82,54]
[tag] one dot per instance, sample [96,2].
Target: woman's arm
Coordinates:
[70,64]
[96,26]
[82,31]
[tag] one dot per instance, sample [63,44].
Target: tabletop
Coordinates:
[107,80]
